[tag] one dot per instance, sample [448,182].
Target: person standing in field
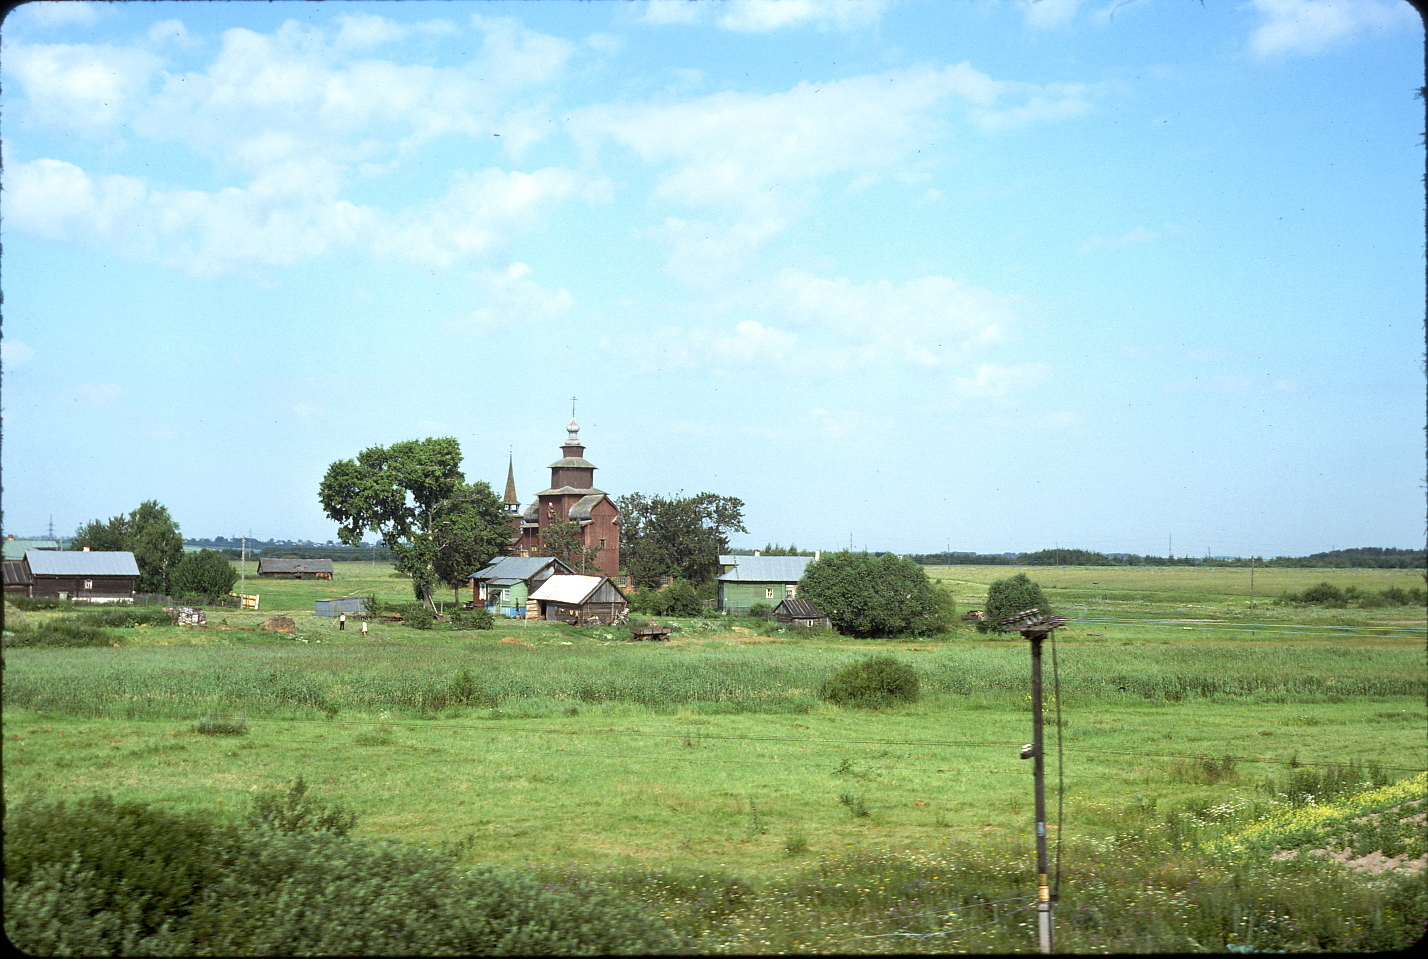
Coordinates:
[341,621]
[364,629]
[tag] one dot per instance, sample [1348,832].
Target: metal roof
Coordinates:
[517,568]
[767,569]
[52,562]
[568,589]
[17,548]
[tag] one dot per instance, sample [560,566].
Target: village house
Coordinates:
[91,576]
[748,580]
[504,587]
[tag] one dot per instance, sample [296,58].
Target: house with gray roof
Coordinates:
[505,586]
[90,575]
[760,579]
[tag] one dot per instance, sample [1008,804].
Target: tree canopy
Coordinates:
[149,533]
[204,573]
[867,595]
[679,536]
[414,496]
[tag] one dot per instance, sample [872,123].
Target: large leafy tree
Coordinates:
[394,491]
[204,573]
[468,529]
[867,595]
[148,532]
[680,536]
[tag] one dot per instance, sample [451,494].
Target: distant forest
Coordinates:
[1373,557]
[292,549]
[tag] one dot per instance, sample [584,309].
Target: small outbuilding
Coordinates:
[351,605]
[800,612]
[580,600]
[504,587]
[295,568]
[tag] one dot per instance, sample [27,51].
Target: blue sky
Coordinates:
[901,275]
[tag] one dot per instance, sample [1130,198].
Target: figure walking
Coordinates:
[364,629]
[341,621]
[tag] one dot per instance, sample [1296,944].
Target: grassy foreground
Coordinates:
[707,776]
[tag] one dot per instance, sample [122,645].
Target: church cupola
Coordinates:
[572,471]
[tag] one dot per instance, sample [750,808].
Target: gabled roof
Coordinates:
[799,609]
[17,548]
[294,565]
[568,589]
[16,574]
[53,562]
[766,569]
[518,568]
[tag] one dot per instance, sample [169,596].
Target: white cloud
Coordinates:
[290,214]
[511,302]
[1135,237]
[88,89]
[55,14]
[1002,384]
[763,16]
[171,31]
[14,353]
[758,16]
[804,324]
[1049,14]
[1309,26]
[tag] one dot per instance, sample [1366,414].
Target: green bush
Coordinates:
[472,619]
[873,682]
[295,811]
[103,878]
[32,603]
[1006,597]
[416,615]
[126,617]
[761,611]
[61,632]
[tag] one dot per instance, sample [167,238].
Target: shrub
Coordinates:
[295,812]
[38,602]
[884,595]
[1008,596]
[761,610]
[472,619]
[126,617]
[204,573]
[416,615]
[873,682]
[141,865]
[63,632]
[221,726]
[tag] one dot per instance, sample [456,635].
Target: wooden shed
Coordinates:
[580,600]
[800,612]
[295,568]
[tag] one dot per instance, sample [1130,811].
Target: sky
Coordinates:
[1142,276]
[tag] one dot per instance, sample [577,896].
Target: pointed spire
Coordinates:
[510,499]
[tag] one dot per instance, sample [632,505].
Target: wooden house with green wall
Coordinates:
[759,579]
[505,586]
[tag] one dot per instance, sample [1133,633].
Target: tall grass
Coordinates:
[280,680]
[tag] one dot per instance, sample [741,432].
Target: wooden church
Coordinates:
[571,497]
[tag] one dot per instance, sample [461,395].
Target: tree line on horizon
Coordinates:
[1363,557]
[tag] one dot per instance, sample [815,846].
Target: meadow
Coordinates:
[708,776]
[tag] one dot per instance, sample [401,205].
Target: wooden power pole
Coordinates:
[1035,627]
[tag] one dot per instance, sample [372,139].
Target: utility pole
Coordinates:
[1035,627]
[1251,582]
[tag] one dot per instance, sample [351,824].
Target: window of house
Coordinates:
[89,584]
[790,590]
[505,595]
[769,593]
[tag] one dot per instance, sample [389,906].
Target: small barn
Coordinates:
[90,575]
[351,605]
[295,568]
[18,581]
[580,600]
[800,612]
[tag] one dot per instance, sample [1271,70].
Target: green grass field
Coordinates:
[712,755]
